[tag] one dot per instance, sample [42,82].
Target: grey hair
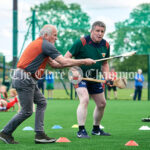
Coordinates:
[139,70]
[45,30]
[98,23]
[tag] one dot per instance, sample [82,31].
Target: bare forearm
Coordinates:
[65,62]
[68,62]
[71,62]
[55,64]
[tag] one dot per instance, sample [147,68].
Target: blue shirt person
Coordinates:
[139,79]
[50,84]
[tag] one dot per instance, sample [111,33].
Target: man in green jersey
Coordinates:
[95,47]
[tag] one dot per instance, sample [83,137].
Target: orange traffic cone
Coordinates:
[131,143]
[63,139]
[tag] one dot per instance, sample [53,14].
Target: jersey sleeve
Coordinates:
[50,50]
[75,49]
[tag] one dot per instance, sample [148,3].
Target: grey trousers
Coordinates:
[28,93]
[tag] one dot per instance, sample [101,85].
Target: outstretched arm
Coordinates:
[54,64]
[61,62]
[68,62]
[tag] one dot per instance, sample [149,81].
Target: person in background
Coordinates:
[113,75]
[5,106]
[50,84]
[139,79]
[3,92]
[13,96]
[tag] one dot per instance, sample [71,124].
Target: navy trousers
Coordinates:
[137,92]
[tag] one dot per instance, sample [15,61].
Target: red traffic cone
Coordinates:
[131,143]
[63,139]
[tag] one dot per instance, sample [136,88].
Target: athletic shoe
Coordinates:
[82,134]
[100,132]
[8,139]
[43,138]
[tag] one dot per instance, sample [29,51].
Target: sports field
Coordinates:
[123,94]
[122,119]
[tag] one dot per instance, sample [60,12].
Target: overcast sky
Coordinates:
[106,10]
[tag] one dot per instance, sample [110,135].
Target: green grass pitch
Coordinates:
[122,118]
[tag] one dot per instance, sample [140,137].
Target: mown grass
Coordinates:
[122,119]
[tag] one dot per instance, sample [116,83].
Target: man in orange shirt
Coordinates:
[30,68]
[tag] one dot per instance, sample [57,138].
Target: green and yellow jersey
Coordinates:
[86,48]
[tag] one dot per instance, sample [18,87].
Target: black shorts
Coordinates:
[92,87]
[113,87]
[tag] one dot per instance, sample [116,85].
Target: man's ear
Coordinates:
[46,36]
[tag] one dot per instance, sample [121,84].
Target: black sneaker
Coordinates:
[43,138]
[82,134]
[100,132]
[8,139]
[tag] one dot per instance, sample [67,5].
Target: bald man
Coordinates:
[30,68]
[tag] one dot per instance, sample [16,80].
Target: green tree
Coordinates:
[131,64]
[133,34]
[70,20]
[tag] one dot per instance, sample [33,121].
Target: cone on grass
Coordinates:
[56,127]
[28,128]
[131,143]
[75,126]
[144,128]
[63,140]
